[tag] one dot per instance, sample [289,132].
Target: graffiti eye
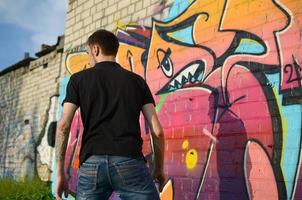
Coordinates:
[164,62]
[166,66]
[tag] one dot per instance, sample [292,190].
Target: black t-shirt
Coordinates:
[110,99]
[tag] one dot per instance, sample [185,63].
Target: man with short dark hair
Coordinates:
[110,98]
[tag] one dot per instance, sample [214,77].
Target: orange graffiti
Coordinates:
[76,62]
[167,193]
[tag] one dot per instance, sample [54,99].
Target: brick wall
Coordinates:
[84,17]
[28,102]
[226,77]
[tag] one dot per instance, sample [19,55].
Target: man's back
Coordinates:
[110,99]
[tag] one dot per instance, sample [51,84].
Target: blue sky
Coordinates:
[26,24]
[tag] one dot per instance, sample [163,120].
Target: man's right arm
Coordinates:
[157,140]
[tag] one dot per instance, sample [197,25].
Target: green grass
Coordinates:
[25,190]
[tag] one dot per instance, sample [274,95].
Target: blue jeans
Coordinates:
[101,175]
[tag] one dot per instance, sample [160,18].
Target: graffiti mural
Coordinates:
[226,77]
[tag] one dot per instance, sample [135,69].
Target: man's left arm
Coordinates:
[62,134]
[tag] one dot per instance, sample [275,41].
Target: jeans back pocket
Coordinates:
[88,176]
[133,173]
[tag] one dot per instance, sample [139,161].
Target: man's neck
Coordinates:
[106,58]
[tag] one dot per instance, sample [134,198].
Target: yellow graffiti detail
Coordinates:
[191,155]
[191,159]
[185,144]
[119,24]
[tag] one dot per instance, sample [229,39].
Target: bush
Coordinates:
[25,190]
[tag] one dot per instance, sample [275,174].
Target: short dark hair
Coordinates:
[106,40]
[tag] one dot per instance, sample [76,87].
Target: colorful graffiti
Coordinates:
[226,77]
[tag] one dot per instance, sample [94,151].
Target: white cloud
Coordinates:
[44,18]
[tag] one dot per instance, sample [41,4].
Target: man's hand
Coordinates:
[158,143]
[61,186]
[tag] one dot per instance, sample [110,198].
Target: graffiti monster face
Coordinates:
[174,65]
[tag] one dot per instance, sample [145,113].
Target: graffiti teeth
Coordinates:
[186,76]
[178,79]
[189,76]
[184,80]
[198,74]
[178,85]
[172,83]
